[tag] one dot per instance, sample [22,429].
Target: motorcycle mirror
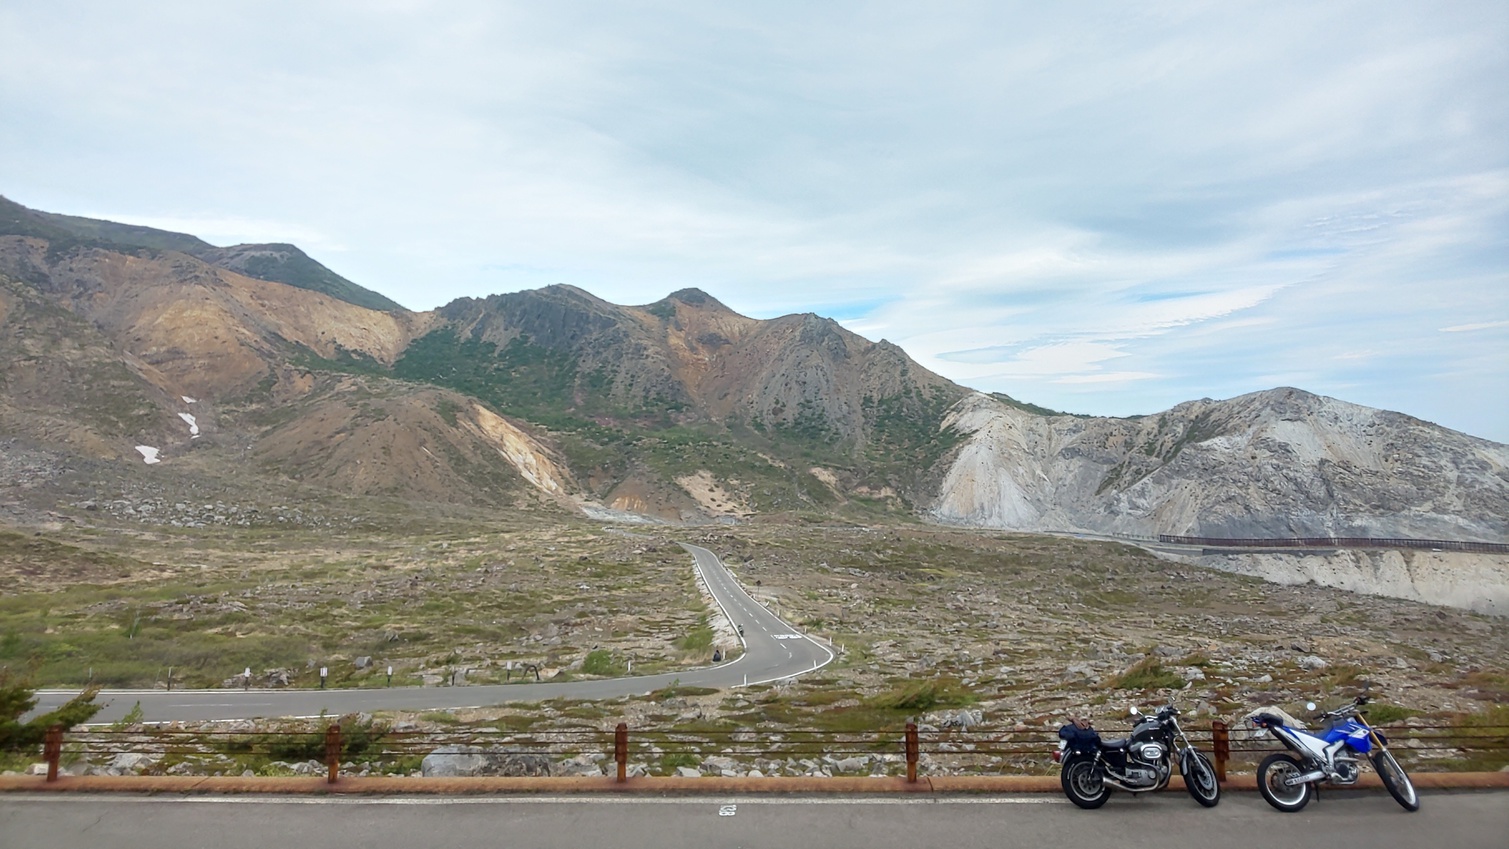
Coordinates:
[1309,706]
[1134,711]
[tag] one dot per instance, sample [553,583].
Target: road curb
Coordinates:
[646,785]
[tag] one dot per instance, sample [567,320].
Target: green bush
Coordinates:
[1383,714]
[16,698]
[699,638]
[919,696]
[357,739]
[1148,674]
[601,662]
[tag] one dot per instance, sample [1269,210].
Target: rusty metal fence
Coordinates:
[332,749]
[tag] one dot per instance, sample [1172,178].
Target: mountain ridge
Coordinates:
[680,409]
[278,263]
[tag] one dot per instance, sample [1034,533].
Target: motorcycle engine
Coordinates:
[1143,764]
[1148,753]
[1141,776]
[1346,771]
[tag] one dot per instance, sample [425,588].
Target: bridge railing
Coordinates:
[1339,542]
[337,748]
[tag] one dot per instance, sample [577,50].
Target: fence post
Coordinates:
[52,750]
[333,751]
[621,750]
[911,753]
[1220,744]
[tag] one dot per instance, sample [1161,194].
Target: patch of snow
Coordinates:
[193,423]
[148,454]
[188,400]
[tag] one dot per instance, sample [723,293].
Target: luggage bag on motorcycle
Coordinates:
[1082,741]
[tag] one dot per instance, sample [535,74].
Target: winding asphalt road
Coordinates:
[773,651]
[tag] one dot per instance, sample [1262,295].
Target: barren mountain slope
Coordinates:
[277,263]
[62,382]
[687,387]
[1277,464]
[1281,463]
[207,330]
[107,351]
[369,436]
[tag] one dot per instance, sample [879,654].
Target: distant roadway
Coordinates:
[773,650]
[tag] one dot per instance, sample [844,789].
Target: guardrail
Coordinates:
[1339,542]
[977,750]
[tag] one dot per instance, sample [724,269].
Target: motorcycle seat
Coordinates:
[1114,744]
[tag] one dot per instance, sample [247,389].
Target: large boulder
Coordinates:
[1244,730]
[133,763]
[452,761]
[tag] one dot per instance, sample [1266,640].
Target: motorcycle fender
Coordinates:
[1185,757]
[1308,745]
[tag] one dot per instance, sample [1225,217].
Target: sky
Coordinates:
[1104,208]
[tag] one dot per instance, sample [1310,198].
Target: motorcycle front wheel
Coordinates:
[1200,780]
[1271,774]
[1395,780]
[1083,785]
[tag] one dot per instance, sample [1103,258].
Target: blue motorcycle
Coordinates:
[1329,756]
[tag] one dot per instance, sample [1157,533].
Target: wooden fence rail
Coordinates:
[977,750]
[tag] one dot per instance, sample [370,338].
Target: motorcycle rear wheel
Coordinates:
[1270,781]
[1200,780]
[1396,780]
[1083,785]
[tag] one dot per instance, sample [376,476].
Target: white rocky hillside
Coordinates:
[1280,463]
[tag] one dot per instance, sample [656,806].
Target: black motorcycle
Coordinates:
[1142,763]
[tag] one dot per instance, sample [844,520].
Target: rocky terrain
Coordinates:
[983,638]
[1476,582]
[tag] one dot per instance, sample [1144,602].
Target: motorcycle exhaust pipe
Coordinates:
[1305,778]
[1119,786]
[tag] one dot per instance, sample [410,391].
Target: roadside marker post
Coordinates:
[621,750]
[912,748]
[52,750]
[333,751]
[1220,746]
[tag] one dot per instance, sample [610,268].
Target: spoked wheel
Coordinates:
[1083,785]
[1271,776]
[1200,779]
[1396,780]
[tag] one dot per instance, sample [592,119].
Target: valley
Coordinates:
[926,620]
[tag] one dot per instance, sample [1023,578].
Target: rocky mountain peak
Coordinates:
[696,298]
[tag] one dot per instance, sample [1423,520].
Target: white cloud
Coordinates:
[1476,326]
